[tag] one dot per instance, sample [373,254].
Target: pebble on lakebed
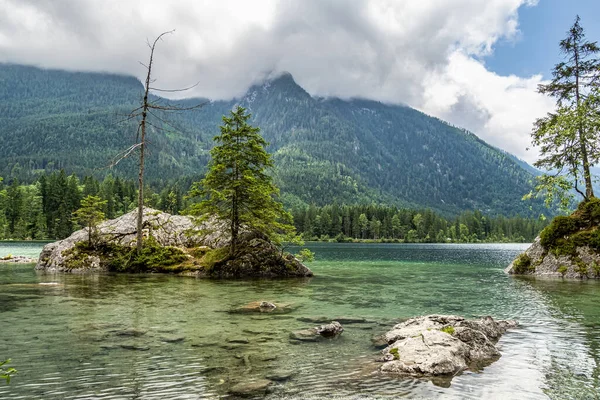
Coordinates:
[441,345]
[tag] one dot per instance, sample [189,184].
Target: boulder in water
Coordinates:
[437,345]
[331,330]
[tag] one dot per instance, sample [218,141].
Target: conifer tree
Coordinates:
[237,189]
[89,215]
[568,137]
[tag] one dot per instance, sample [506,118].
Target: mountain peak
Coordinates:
[281,76]
[280,83]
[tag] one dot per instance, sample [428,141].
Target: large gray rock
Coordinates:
[437,345]
[167,229]
[257,256]
[544,263]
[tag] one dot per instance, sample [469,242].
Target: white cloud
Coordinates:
[425,53]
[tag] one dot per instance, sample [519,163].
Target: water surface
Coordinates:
[74,339]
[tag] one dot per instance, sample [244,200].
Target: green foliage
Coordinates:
[6,373]
[90,214]
[448,329]
[214,256]
[560,227]
[582,268]
[522,264]
[596,269]
[555,190]
[236,189]
[324,150]
[375,223]
[567,137]
[153,258]
[117,258]
[394,352]
[305,255]
[562,270]
[566,233]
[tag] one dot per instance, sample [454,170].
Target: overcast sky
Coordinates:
[436,56]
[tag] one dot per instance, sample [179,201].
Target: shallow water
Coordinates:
[69,340]
[21,248]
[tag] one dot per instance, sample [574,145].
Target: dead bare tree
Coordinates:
[144,111]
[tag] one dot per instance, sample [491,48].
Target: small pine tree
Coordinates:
[237,189]
[89,215]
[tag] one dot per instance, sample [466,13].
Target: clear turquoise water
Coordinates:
[64,338]
[20,248]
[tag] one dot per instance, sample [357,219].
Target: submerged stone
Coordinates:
[131,332]
[280,376]
[252,388]
[305,335]
[331,330]
[262,307]
[137,347]
[238,340]
[173,339]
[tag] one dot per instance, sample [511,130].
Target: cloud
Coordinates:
[427,54]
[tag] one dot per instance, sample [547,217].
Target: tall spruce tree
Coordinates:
[237,189]
[568,137]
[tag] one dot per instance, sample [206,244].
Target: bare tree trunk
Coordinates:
[140,211]
[145,107]
[589,190]
[143,111]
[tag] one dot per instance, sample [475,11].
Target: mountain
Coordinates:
[325,150]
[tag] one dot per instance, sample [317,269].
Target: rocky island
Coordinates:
[569,247]
[173,244]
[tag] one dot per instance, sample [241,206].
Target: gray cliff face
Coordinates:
[545,264]
[441,345]
[261,258]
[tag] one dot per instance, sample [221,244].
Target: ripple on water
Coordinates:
[64,339]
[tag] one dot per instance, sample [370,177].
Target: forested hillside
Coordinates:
[326,150]
[44,210]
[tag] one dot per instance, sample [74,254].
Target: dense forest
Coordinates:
[44,210]
[380,223]
[325,150]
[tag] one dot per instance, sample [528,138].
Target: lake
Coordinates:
[77,338]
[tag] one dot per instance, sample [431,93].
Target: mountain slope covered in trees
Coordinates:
[326,150]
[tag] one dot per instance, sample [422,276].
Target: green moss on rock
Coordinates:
[448,329]
[562,270]
[522,264]
[118,258]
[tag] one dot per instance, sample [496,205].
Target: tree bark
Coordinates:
[589,190]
